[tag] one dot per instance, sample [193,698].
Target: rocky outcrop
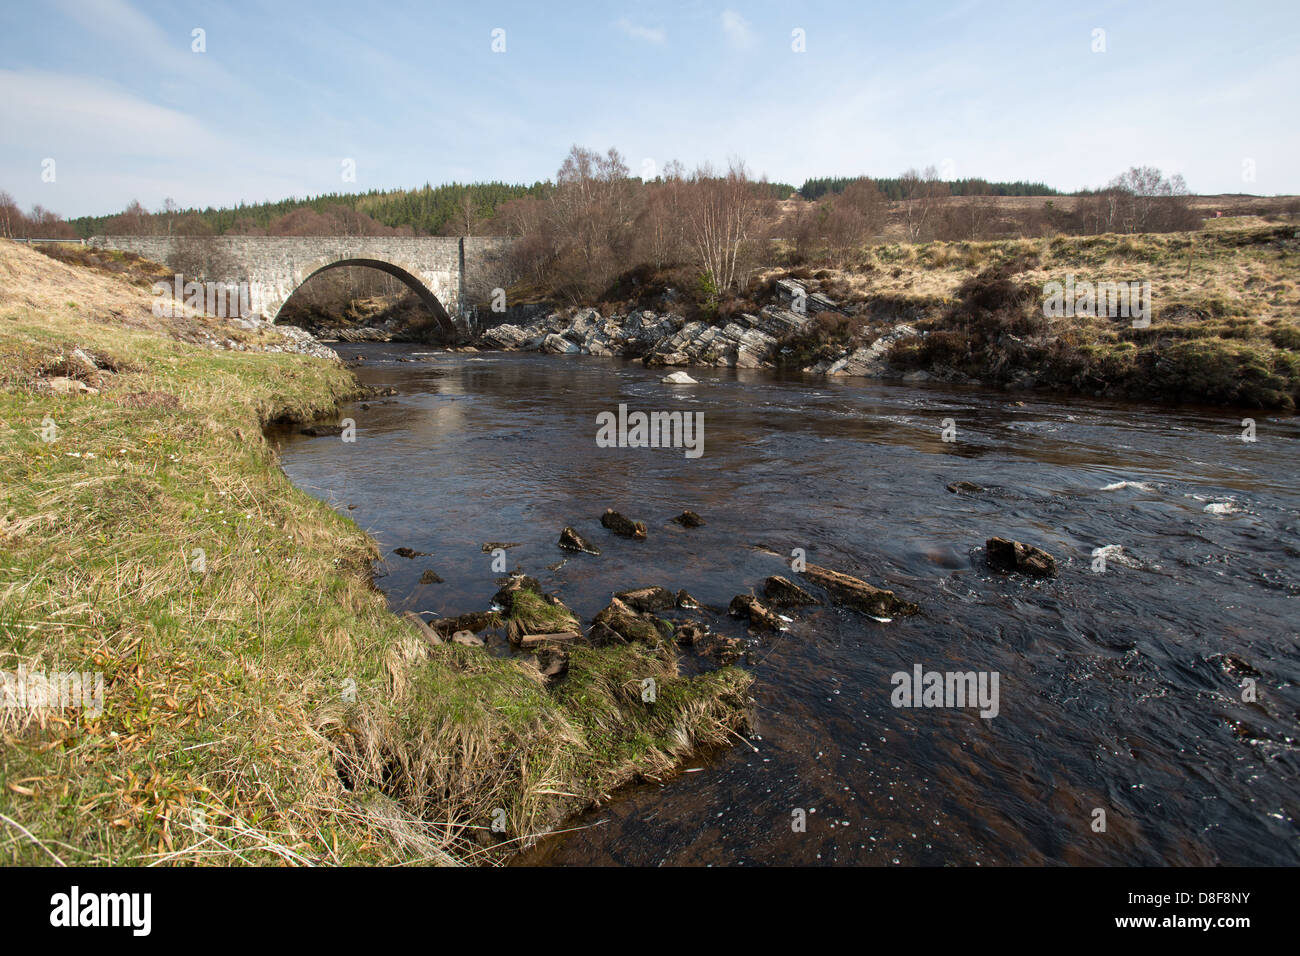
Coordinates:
[869,360]
[666,340]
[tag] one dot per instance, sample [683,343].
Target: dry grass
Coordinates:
[1225,323]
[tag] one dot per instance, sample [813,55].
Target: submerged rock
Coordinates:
[410,553]
[620,525]
[474,622]
[428,633]
[858,594]
[687,634]
[570,540]
[718,647]
[689,519]
[430,577]
[965,488]
[1006,555]
[783,592]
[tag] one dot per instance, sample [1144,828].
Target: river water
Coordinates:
[1119,684]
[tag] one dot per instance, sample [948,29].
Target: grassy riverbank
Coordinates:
[1224,325]
[260,703]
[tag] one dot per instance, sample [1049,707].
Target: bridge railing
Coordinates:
[80,242]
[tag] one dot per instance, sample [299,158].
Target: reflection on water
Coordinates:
[1119,690]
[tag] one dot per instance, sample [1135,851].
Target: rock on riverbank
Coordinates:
[663,340]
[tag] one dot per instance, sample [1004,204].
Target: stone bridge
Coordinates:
[436,268]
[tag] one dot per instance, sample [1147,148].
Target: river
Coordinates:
[1120,683]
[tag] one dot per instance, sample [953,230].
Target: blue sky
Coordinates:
[413,93]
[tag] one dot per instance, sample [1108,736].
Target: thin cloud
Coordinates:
[639,32]
[737,30]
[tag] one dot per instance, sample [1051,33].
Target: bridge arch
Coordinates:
[406,273]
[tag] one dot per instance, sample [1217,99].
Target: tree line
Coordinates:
[596,230]
[894,189]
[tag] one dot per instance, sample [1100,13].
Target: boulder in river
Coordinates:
[620,525]
[758,613]
[653,598]
[965,488]
[689,519]
[782,592]
[570,540]
[678,378]
[430,577]
[1006,555]
[858,594]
